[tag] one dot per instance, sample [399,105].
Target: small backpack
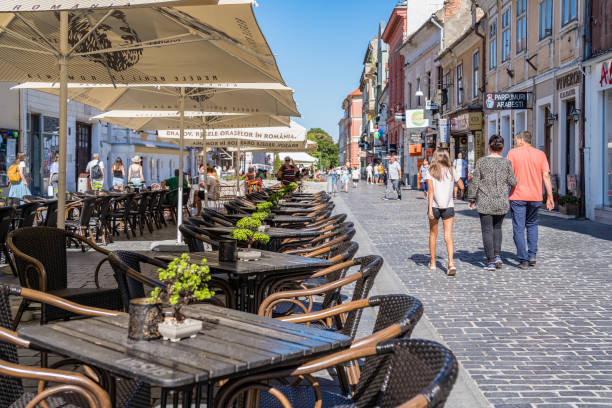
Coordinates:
[95,172]
[13,173]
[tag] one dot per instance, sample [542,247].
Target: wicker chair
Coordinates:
[196,237]
[50,213]
[40,258]
[416,373]
[342,236]
[82,225]
[6,222]
[26,214]
[131,281]
[82,388]
[120,212]
[363,280]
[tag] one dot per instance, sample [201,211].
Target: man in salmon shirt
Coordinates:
[531,168]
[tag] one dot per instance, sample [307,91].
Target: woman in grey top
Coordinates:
[488,191]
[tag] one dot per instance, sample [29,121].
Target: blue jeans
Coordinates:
[525,217]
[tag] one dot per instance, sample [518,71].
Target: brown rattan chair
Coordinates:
[41,261]
[70,389]
[412,373]
[342,235]
[195,238]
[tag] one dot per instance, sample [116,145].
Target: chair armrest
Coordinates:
[9,336]
[326,313]
[35,263]
[88,242]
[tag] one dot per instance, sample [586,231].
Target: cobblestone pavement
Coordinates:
[536,338]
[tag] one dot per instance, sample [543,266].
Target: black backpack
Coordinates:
[96,172]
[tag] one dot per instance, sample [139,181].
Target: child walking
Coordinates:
[440,182]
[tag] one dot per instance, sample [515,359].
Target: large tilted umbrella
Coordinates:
[182,42]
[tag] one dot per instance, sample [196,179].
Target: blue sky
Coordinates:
[319,47]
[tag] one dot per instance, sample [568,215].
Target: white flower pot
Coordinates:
[263,228]
[173,331]
[249,255]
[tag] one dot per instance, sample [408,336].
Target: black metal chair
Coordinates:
[41,261]
[26,214]
[6,222]
[50,214]
[120,212]
[82,225]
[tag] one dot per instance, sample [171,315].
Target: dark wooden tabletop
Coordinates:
[269,263]
[273,232]
[231,343]
[276,218]
[290,210]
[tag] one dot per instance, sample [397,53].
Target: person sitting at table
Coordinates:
[172,184]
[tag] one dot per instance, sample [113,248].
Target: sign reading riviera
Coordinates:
[507,100]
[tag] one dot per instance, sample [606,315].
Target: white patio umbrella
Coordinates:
[118,42]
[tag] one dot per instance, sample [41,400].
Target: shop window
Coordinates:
[568,11]
[521,26]
[446,84]
[9,141]
[493,44]
[607,148]
[546,18]
[506,35]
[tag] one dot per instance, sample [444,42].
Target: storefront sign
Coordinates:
[416,138]
[572,183]
[477,145]
[605,76]
[567,80]
[416,119]
[568,93]
[466,121]
[507,100]
[444,130]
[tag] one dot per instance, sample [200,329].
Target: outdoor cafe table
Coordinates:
[230,344]
[277,235]
[277,220]
[246,276]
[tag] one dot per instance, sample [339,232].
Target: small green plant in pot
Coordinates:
[568,204]
[185,282]
[248,231]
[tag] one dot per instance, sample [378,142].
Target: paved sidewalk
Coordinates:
[536,338]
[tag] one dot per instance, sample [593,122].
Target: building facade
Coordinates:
[598,112]
[368,86]
[536,47]
[29,122]
[350,129]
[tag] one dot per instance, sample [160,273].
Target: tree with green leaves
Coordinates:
[327,151]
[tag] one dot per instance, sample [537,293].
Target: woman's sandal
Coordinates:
[432,267]
[451,270]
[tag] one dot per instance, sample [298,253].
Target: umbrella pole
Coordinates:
[206,169]
[238,171]
[179,213]
[63,119]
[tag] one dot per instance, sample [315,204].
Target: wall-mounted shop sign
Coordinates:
[415,118]
[507,100]
[466,121]
[567,80]
[605,75]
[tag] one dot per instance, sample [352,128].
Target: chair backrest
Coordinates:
[6,221]
[403,369]
[27,214]
[370,266]
[196,237]
[48,246]
[51,217]
[129,288]
[403,310]
[87,210]
[199,222]
[11,388]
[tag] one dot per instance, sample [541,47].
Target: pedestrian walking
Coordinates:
[135,174]
[331,180]
[18,178]
[54,177]
[338,178]
[369,173]
[394,177]
[440,180]
[95,169]
[488,192]
[531,169]
[381,174]
[423,172]
[345,178]
[376,173]
[118,170]
[461,168]
[355,174]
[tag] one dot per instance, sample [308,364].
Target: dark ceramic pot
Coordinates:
[227,250]
[144,318]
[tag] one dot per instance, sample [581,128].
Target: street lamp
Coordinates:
[575,114]
[419,92]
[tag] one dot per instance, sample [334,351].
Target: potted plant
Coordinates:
[568,204]
[263,211]
[248,231]
[184,282]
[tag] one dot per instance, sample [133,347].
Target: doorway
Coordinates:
[570,139]
[35,153]
[547,135]
[83,148]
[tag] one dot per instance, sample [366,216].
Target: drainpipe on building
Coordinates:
[483,71]
[441,28]
[586,54]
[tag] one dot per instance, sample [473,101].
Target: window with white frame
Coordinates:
[493,44]
[521,25]
[546,18]
[569,11]
[418,98]
[506,35]
[459,83]
[475,74]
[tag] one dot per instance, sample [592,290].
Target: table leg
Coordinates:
[175,399]
[164,398]
[187,398]
[210,395]
[198,396]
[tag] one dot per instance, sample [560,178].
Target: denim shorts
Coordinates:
[444,213]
